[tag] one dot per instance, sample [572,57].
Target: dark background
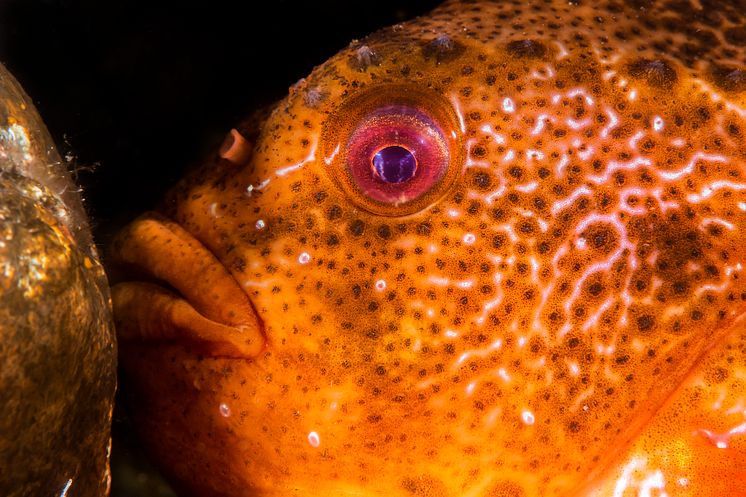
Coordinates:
[133,91]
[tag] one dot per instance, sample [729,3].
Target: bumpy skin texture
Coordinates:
[57,349]
[566,318]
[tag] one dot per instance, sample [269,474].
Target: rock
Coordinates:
[57,346]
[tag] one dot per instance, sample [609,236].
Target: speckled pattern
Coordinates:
[561,316]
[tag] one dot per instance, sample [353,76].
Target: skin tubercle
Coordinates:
[540,324]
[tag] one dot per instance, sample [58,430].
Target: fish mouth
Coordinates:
[170,288]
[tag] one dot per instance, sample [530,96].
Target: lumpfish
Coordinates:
[57,344]
[497,250]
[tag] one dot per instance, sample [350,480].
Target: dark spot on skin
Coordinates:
[424,486]
[526,227]
[527,49]
[384,231]
[505,489]
[357,227]
[332,240]
[239,264]
[479,152]
[645,322]
[729,78]
[716,375]
[736,36]
[442,49]
[334,212]
[482,180]
[657,73]
[601,238]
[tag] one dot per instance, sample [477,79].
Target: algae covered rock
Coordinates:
[57,347]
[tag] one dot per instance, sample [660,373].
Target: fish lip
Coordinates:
[260,320]
[179,286]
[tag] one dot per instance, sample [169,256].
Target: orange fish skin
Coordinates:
[562,314]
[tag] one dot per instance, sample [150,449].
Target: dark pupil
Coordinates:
[394,164]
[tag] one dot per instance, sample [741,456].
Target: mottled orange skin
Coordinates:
[565,318]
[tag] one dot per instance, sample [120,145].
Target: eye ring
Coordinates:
[394,150]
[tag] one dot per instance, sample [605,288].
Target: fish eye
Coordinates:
[394,151]
[394,164]
[396,154]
